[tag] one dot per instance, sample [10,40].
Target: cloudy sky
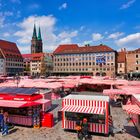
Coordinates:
[115,23]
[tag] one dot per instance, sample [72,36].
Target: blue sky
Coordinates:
[115,23]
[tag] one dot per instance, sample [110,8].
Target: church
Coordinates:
[36,42]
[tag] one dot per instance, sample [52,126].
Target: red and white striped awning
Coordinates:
[83,109]
[132,109]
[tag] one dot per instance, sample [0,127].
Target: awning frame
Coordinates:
[84,109]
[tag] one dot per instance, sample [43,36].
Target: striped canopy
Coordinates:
[132,109]
[83,109]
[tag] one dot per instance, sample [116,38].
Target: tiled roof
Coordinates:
[26,56]
[34,56]
[134,51]
[73,48]
[10,49]
[121,58]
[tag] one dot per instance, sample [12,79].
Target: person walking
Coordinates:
[84,130]
[78,129]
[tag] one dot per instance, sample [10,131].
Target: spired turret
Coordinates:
[36,42]
[39,34]
[34,32]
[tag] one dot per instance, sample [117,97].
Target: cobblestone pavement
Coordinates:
[57,133]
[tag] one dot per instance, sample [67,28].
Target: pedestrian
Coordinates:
[78,129]
[85,129]
[6,117]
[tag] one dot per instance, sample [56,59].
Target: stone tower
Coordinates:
[36,42]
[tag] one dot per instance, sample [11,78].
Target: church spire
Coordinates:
[34,32]
[39,34]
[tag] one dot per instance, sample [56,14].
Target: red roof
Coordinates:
[134,51]
[121,57]
[26,56]
[9,49]
[74,48]
[34,56]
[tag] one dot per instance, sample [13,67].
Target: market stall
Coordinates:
[23,105]
[133,109]
[95,108]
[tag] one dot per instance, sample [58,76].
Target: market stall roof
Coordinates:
[88,97]
[42,101]
[137,96]
[132,109]
[83,109]
[16,104]
[114,92]
[18,91]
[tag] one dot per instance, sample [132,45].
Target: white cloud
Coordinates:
[3,16]
[87,42]
[97,37]
[8,13]
[65,34]
[115,35]
[132,40]
[63,6]
[50,39]
[6,34]
[128,4]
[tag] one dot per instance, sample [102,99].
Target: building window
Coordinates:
[120,65]
[112,69]
[137,68]
[93,63]
[108,57]
[137,62]
[137,56]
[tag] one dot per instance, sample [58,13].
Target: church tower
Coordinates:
[39,42]
[36,42]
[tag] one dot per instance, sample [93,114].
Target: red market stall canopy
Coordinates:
[83,109]
[69,85]
[16,104]
[132,109]
[115,92]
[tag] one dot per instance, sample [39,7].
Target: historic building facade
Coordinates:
[36,42]
[93,60]
[11,61]
[38,64]
[121,62]
[133,61]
